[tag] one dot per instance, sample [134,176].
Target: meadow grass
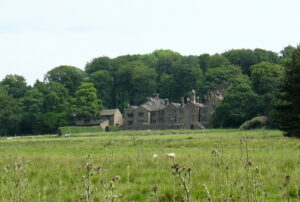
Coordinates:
[210,165]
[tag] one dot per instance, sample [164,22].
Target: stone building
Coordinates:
[108,117]
[158,113]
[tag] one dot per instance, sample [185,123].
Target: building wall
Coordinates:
[118,119]
[129,118]
[142,116]
[173,115]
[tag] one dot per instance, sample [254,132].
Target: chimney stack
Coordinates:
[182,101]
[166,101]
[156,96]
[193,97]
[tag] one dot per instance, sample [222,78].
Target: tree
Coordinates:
[238,106]
[287,51]
[86,106]
[103,82]
[16,85]
[31,104]
[138,80]
[203,61]
[220,76]
[217,60]
[287,107]
[56,96]
[266,77]
[245,58]
[69,76]
[10,114]
[100,63]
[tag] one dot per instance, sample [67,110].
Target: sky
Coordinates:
[39,35]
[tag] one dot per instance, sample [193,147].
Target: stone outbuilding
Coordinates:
[108,117]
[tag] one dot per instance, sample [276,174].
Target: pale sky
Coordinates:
[38,35]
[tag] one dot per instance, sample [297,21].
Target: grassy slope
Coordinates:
[54,166]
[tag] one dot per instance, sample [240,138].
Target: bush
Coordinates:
[256,122]
[113,128]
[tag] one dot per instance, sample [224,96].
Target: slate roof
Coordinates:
[176,104]
[153,104]
[108,112]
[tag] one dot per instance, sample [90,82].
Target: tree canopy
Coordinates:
[287,106]
[252,77]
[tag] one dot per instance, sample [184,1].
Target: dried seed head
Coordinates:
[175,166]
[248,164]
[215,152]
[155,189]
[287,178]
[116,178]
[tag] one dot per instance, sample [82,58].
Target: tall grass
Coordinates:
[79,129]
[257,165]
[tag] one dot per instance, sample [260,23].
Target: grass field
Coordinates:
[210,165]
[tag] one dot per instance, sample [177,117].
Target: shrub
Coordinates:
[256,122]
[113,128]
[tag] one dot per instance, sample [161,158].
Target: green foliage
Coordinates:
[32,104]
[203,61]
[138,80]
[255,123]
[49,122]
[287,106]
[245,58]
[100,63]
[220,76]
[15,85]
[186,76]
[266,77]
[217,60]
[287,51]
[69,76]
[239,105]
[86,105]
[129,79]
[113,128]
[103,82]
[10,114]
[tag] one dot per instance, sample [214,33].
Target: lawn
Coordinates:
[210,165]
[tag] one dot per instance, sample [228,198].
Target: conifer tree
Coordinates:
[288,104]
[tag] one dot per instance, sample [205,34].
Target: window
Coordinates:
[141,114]
[129,122]
[130,115]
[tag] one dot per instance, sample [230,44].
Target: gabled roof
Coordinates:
[108,112]
[154,104]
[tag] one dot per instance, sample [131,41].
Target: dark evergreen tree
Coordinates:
[287,106]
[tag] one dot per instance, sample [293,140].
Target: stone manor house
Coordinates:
[158,113]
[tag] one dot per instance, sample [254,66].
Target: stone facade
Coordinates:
[158,113]
[108,117]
